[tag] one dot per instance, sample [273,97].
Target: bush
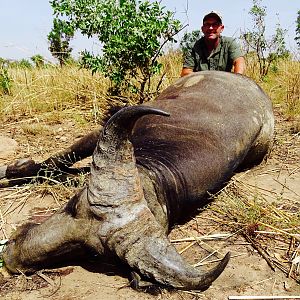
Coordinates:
[132,33]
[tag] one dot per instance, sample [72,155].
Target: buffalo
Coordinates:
[152,166]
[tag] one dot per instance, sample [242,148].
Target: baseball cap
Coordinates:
[215,14]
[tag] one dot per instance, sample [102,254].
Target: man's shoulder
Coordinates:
[232,46]
[228,40]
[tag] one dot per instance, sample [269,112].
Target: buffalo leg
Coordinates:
[23,170]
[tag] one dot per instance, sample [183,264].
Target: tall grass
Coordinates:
[284,88]
[43,92]
[56,93]
[282,84]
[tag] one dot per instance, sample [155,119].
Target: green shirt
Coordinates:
[221,59]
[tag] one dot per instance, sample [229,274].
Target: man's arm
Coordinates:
[239,65]
[186,71]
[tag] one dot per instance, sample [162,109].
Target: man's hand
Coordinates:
[186,71]
[239,65]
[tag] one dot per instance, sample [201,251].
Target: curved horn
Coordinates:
[160,261]
[126,117]
[143,245]
[118,128]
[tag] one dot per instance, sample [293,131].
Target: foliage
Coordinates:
[4,62]
[59,40]
[297,38]
[132,34]
[5,80]
[38,60]
[188,40]
[268,51]
[23,64]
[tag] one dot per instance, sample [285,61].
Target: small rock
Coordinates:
[8,146]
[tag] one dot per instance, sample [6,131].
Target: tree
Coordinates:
[297,38]
[132,34]
[267,51]
[59,41]
[188,40]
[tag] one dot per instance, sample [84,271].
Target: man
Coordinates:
[213,51]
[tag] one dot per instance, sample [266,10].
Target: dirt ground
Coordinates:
[248,273]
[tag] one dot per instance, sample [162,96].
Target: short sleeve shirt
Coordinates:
[221,59]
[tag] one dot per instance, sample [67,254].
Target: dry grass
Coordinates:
[52,94]
[282,84]
[271,227]
[284,88]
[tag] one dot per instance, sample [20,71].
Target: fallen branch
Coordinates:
[260,250]
[203,238]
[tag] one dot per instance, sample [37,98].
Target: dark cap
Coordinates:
[213,14]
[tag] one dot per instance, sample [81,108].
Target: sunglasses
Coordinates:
[213,25]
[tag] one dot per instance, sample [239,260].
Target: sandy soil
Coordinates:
[247,273]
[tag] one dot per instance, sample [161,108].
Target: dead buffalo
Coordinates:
[148,170]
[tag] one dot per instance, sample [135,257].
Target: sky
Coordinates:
[25,24]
